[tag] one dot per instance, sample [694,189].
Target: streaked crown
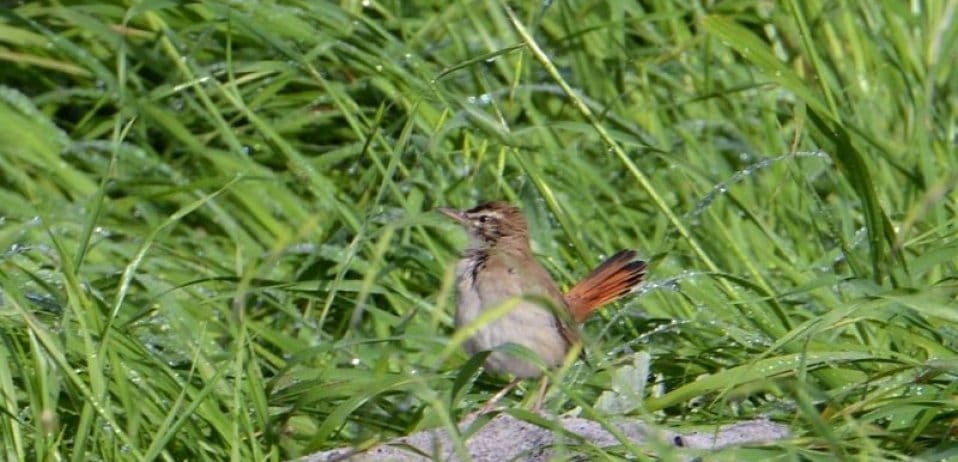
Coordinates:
[491,222]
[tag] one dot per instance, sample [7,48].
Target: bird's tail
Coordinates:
[611,280]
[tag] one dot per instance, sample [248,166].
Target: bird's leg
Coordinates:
[543,383]
[496,397]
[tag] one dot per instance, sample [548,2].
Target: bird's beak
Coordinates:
[453,213]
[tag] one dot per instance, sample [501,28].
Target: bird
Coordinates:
[499,267]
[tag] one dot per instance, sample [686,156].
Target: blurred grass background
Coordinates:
[216,239]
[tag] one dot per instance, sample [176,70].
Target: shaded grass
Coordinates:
[218,241]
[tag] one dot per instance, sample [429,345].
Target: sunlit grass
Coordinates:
[217,240]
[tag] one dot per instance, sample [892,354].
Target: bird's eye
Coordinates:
[484,219]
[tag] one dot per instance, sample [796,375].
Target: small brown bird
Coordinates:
[499,266]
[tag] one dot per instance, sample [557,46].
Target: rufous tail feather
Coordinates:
[612,279]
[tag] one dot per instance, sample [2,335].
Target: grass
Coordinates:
[217,238]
